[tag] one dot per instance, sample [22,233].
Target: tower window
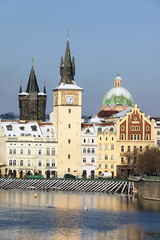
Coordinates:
[69,125]
[69,141]
[69,110]
[69,156]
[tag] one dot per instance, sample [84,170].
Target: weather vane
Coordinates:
[67,33]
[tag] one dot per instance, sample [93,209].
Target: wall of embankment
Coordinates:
[148,189]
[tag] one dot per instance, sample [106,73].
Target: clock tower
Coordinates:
[67,108]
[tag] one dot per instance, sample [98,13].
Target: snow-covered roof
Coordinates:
[121,114]
[27,128]
[68,86]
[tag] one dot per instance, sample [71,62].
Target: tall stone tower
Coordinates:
[32,103]
[67,118]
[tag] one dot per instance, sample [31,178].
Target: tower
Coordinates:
[67,118]
[32,103]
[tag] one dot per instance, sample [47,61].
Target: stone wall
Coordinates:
[148,189]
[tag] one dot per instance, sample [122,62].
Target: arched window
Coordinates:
[88,150]
[40,152]
[14,162]
[10,162]
[47,163]
[48,151]
[39,163]
[29,151]
[29,163]
[53,151]
[21,163]
[53,163]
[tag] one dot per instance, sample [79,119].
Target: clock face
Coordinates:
[69,99]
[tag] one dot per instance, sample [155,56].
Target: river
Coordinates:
[62,216]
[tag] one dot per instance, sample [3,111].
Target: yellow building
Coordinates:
[67,118]
[106,150]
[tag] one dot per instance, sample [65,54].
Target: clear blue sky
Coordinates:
[107,36]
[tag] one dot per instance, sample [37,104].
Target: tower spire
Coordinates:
[67,71]
[44,89]
[20,89]
[32,82]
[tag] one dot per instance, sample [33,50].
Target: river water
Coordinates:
[62,216]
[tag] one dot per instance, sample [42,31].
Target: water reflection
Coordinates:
[109,217]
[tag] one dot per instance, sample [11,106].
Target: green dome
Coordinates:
[118,96]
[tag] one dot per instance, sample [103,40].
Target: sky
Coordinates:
[106,36]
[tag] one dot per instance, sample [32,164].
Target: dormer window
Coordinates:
[9,127]
[34,128]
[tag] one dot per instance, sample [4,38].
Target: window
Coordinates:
[29,151]
[100,156]
[14,162]
[88,150]
[84,150]
[112,147]
[39,163]
[53,163]
[106,146]
[147,128]
[14,151]
[129,160]
[140,148]
[21,151]
[138,137]
[48,151]
[122,148]
[135,148]
[106,138]
[147,137]
[158,132]
[158,142]
[106,157]
[112,157]
[122,128]
[100,138]
[10,151]
[34,128]
[69,125]
[122,160]
[131,137]
[106,166]
[93,150]
[21,163]
[134,137]
[92,140]
[68,169]
[129,148]
[69,156]
[100,146]
[88,140]
[122,136]
[9,127]
[93,160]
[47,163]
[40,152]
[84,160]
[53,151]
[112,138]
[69,141]
[29,163]
[84,140]
[10,162]
[112,166]
[69,110]
[100,166]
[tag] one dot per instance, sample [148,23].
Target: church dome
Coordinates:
[118,96]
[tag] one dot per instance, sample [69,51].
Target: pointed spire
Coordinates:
[32,82]
[61,65]
[20,89]
[67,71]
[44,89]
[73,65]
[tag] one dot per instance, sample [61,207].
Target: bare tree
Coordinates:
[149,161]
